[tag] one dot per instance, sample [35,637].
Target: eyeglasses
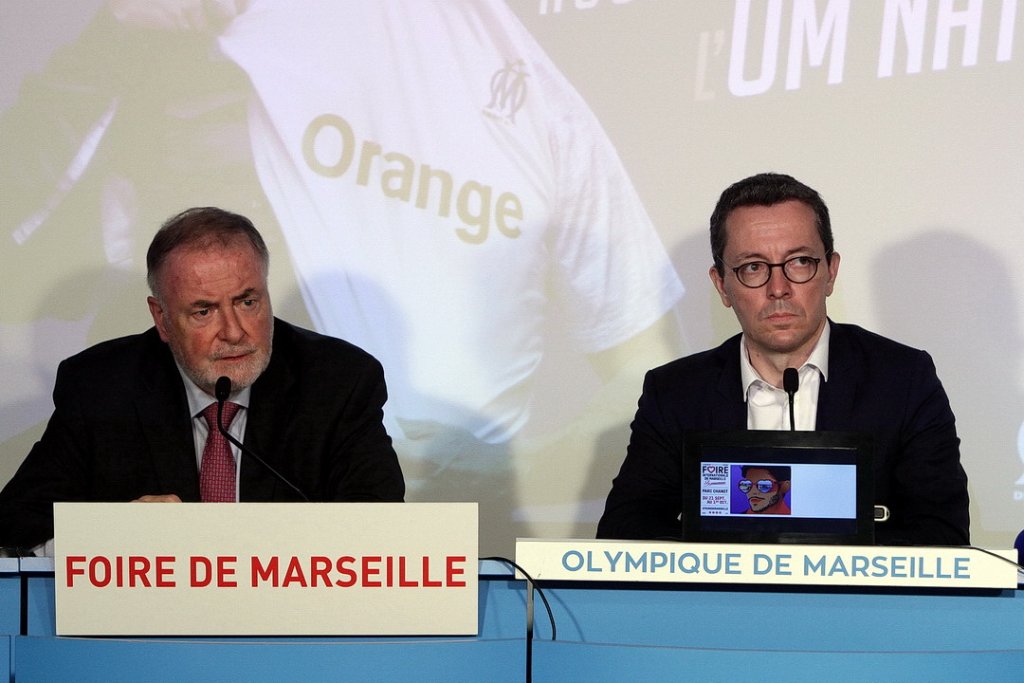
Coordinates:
[763,485]
[798,270]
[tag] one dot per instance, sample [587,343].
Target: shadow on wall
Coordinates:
[954,297]
[706,322]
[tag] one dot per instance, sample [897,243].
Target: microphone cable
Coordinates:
[532,585]
[222,390]
[790,384]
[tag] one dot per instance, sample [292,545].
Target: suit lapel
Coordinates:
[270,407]
[837,396]
[729,410]
[162,411]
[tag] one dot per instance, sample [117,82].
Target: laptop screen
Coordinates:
[754,486]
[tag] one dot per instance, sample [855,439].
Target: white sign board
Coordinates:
[810,565]
[266,569]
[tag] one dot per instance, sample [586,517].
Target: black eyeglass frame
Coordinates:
[768,277]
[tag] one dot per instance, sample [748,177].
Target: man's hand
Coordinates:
[164,498]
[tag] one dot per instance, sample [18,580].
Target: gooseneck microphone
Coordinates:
[790,383]
[221,390]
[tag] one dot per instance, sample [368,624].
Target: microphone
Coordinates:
[221,391]
[790,383]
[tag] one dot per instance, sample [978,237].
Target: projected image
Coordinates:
[502,200]
[447,199]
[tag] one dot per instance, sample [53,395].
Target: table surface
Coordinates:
[604,632]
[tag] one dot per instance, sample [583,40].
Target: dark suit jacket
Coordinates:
[121,429]
[875,385]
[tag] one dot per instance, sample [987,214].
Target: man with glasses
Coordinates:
[774,264]
[766,488]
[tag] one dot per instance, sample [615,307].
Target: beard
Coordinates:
[242,375]
[768,502]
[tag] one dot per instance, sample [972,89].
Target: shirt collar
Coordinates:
[818,359]
[198,399]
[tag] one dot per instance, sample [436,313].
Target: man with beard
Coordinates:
[135,418]
[774,264]
[766,488]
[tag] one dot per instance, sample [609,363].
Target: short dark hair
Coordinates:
[199,228]
[780,472]
[766,189]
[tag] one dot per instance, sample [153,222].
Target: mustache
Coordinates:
[778,307]
[234,351]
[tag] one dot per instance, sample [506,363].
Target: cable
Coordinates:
[533,584]
[1020,567]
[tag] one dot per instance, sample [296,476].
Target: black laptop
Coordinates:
[750,486]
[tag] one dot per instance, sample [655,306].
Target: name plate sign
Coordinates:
[266,569]
[810,565]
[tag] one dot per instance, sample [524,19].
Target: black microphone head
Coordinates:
[790,380]
[222,389]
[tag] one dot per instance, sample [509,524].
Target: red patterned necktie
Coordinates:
[217,471]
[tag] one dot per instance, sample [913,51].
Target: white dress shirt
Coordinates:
[768,406]
[198,400]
